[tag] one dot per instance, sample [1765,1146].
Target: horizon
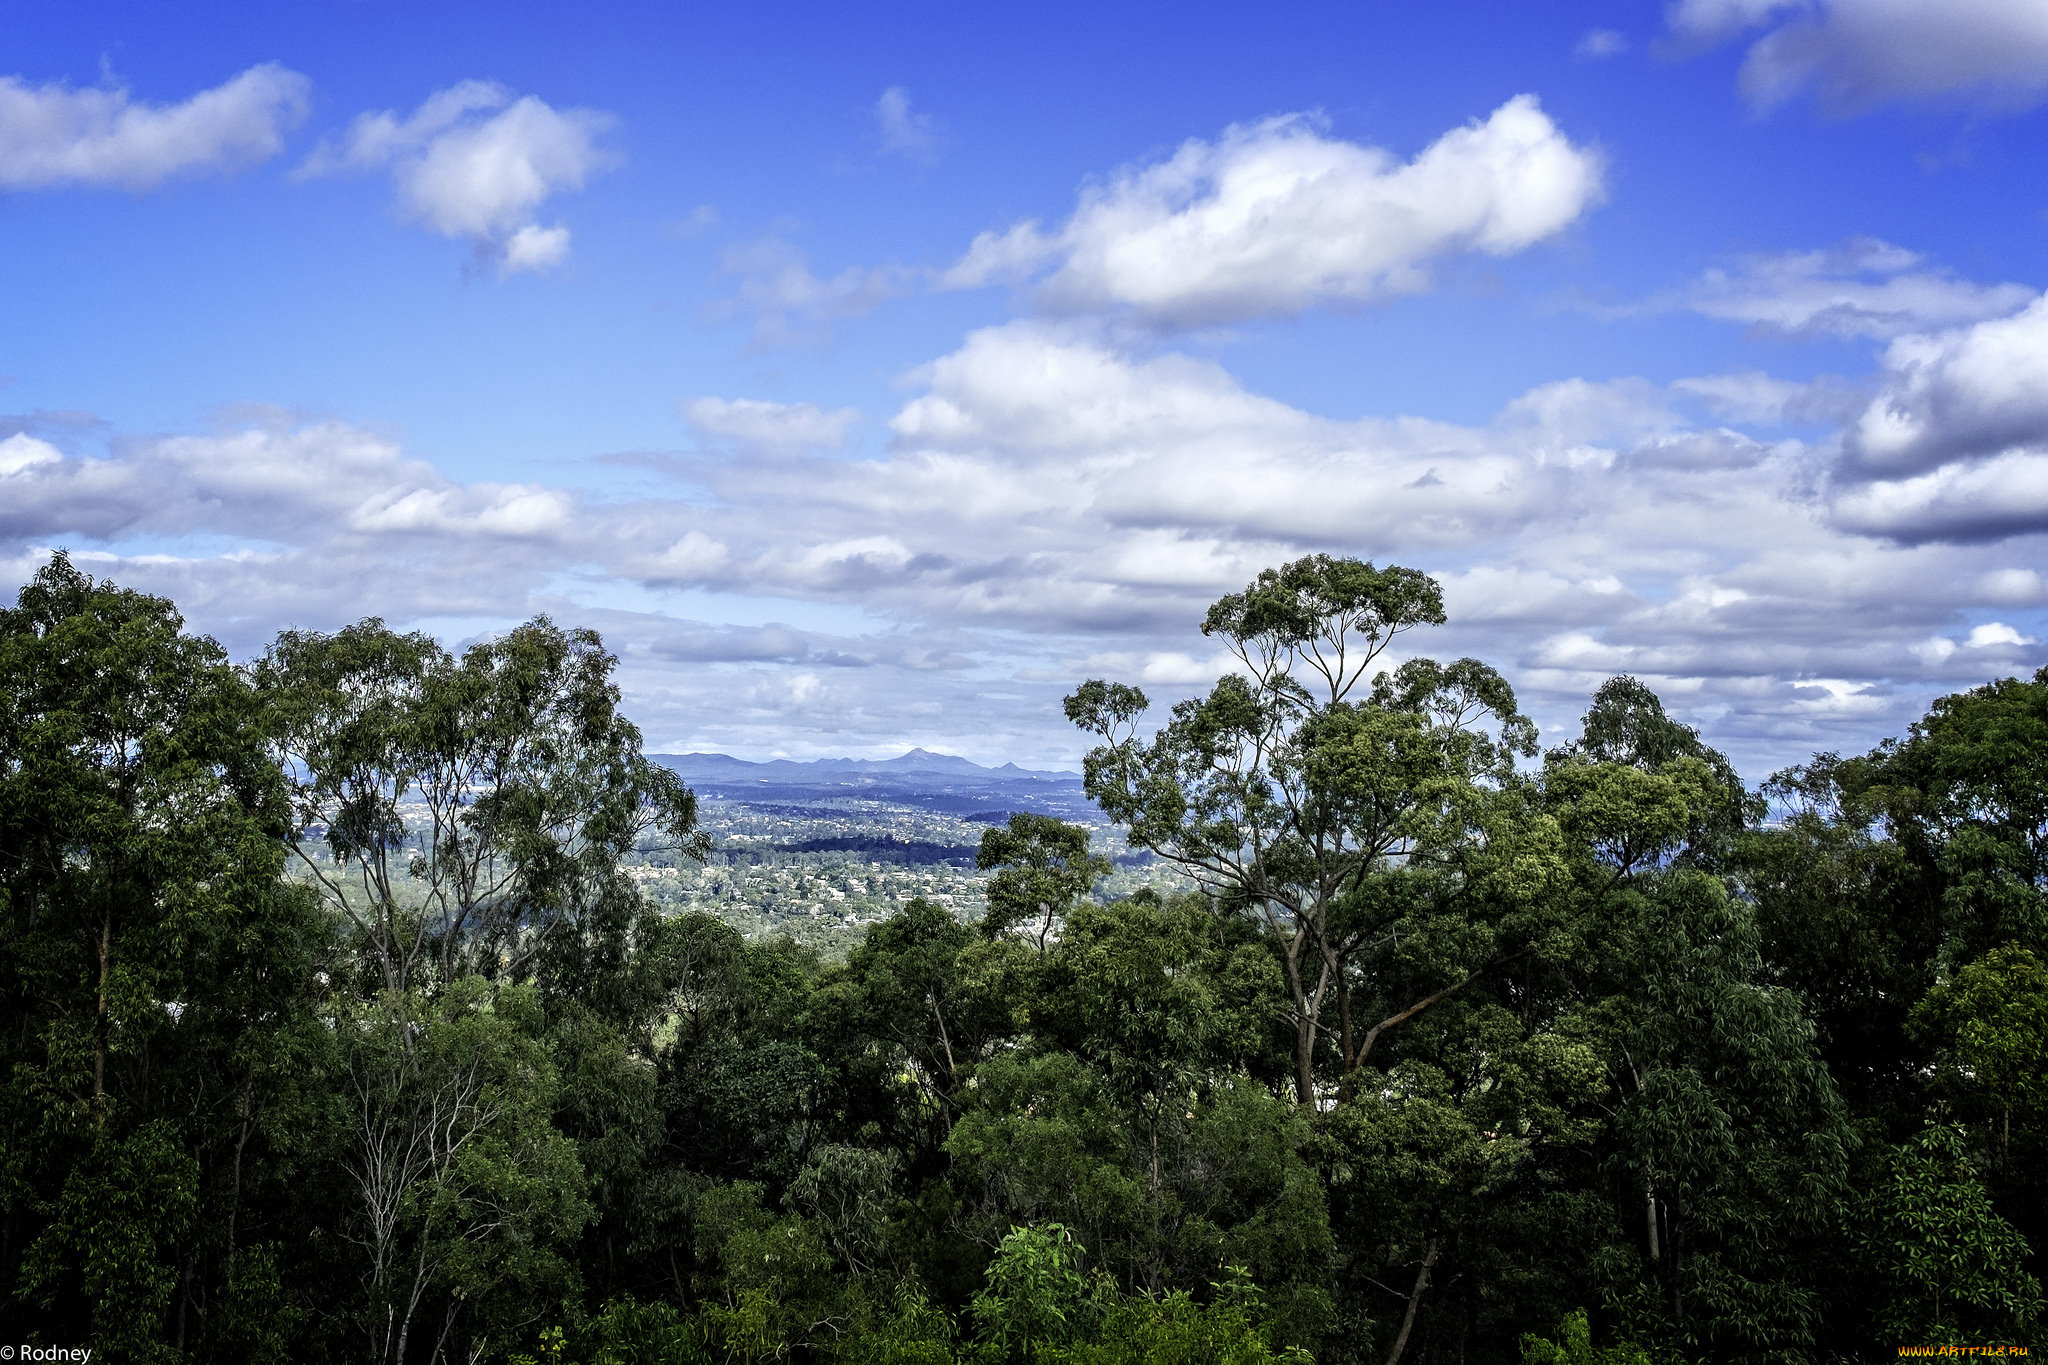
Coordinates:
[911,752]
[870,381]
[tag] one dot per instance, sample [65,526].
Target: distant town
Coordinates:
[820,850]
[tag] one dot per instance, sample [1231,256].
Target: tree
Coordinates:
[1344,825]
[1989,1024]
[465,1191]
[1042,867]
[1967,794]
[1124,1110]
[1955,1269]
[155,972]
[472,812]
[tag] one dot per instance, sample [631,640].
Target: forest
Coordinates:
[331,1028]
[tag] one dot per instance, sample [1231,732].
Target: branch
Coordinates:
[1365,1048]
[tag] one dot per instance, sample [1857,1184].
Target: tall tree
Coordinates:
[469,815]
[1346,819]
[155,970]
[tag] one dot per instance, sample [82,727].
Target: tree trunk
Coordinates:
[99,1056]
[1304,1027]
[1650,1215]
[1304,1061]
[1431,1250]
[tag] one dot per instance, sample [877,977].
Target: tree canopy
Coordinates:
[332,1027]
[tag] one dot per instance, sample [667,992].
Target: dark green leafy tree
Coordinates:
[1125,1113]
[466,1194]
[1955,1270]
[1574,1346]
[155,979]
[1989,1024]
[1042,866]
[1967,795]
[1853,924]
[1729,1137]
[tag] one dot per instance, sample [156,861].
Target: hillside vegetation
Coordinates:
[345,1016]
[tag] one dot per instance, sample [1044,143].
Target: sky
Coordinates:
[869,376]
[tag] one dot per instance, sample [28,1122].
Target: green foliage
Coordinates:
[1989,1026]
[1339,826]
[1953,1268]
[331,1028]
[466,1194]
[153,972]
[1574,1346]
[1037,1296]
[530,783]
[1967,796]
[1042,867]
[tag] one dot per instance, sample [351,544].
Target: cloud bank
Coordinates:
[1052,505]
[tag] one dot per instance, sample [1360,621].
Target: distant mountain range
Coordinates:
[927,781]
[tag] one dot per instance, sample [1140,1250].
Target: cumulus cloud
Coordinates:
[757,424]
[52,135]
[21,454]
[475,163]
[268,484]
[1862,288]
[905,132]
[1275,217]
[1854,54]
[1047,485]
[1968,392]
[2006,495]
[1954,446]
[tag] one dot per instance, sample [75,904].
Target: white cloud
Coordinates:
[793,307]
[1052,506]
[1597,43]
[2006,495]
[51,135]
[780,428]
[1862,288]
[271,480]
[1853,54]
[1969,392]
[534,247]
[21,453]
[905,132]
[1274,217]
[695,557]
[1992,634]
[475,163]
[1749,396]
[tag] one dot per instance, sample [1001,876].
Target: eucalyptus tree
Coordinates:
[156,977]
[467,1197]
[1967,795]
[1727,1138]
[469,815]
[1360,817]
[1042,866]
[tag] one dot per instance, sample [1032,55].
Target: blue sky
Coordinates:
[869,378]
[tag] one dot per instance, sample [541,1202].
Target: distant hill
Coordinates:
[926,781]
